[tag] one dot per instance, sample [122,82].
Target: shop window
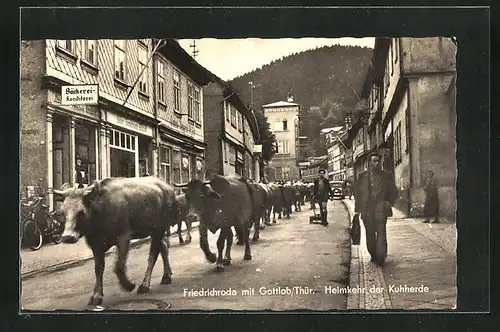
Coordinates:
[143,60]
[123,141]
[176,166]
[279,173]
[232,155]
[177,91]
[165,170]
[199,168]
[186,174]
[120,71]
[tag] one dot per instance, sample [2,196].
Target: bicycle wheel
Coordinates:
[32,235]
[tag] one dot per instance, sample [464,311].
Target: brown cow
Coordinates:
[112,212]
[181,216]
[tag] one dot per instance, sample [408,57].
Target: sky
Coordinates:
[229,58]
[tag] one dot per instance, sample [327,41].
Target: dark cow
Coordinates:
[181,216]
[219,203]
[301,191]
[268,204]
[288,191]
[277,200]
[112,212]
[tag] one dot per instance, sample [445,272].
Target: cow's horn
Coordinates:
[180,185]
[62,192]
[206,182]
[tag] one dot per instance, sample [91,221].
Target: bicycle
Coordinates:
[38,223]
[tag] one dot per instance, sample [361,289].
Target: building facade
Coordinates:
[337,169]
[283,117]
[231,132]
[410,93]
[315,164]
[116,137]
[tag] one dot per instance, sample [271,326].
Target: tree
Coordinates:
[268,139]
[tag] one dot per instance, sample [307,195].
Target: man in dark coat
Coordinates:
[375,193]
[321,192]
[431,208]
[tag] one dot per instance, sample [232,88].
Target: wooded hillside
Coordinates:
[325,81]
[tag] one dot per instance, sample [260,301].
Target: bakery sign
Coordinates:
[80,94]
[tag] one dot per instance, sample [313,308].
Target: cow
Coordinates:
[181,216]
[289,198]
[113,211]
[277,200]
[219,203]
[268,204]
[260,204]
[300,189]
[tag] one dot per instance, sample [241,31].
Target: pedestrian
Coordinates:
[322,191]
[375,193]
[431,207]
[80,173]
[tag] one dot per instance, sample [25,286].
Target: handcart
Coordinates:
[316,214]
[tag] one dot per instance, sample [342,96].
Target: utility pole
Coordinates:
[251,93]
[195,51]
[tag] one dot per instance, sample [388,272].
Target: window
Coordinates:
[232,155]
[279,173]
[396,49]
[233,116]
[397,144]
[407,131]
[177,91]
[199,168]
[176,166]
[120,59]
[283,147]
[89,49]
[165,170]
[122,141]
[391,60]
[240,122]
[66,44]
[386,77]
[197,108]
[161,81]
[193,102]
[286,172]
[228,112]
[226,152]
[143,60]
[285,125]
[186,168]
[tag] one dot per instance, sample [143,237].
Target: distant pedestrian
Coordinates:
[321,192]
[431,208]
[375,193]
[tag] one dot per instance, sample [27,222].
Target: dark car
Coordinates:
[337,189]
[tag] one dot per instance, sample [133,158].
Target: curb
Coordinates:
[365,276]
[355,279]
[77,262]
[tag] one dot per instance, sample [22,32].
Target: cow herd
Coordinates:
[114,211]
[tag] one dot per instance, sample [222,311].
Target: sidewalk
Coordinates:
[51,257]
[422,256]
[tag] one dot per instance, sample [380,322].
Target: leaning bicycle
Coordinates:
[38,224]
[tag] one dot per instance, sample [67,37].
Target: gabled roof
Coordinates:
[233,97]
[173,51]
[280,104]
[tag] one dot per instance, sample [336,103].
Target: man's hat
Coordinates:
[322,171]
